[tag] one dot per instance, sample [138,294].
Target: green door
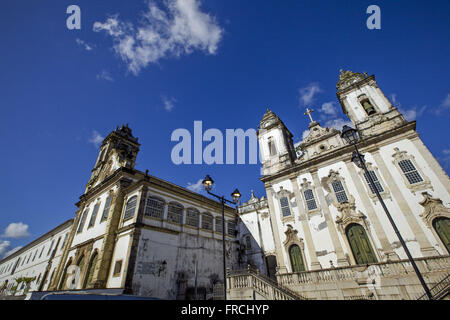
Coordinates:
[296,258]
[360,245]
[442,227]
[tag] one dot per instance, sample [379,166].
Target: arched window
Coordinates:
[410,171]
[295,255]
[192,217]
[272,148]
[106,208]
[339,191]
[94,215]
[377,183]
[218,224]
[442,227]
[130,208]
[175,213]
[154,208]
[63,283]
[285,210]
[82,220]
[310,200]
[207,221]
[367,105]
[360,244]
[91,269]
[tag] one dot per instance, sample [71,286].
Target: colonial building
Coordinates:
[321,230]
[133,233]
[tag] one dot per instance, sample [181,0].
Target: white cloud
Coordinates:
[196,187]
[409,114]
[329,109]
[305,134]
[446,102]
[105,75]
[338,123]
[446,151]
[180,27]
[307,93]
[4,246]
[96,139]
[83,44]
[169,103]
[16,230]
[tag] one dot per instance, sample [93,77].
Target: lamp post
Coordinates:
[207,184]
[351,136]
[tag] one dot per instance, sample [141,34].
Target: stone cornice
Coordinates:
[346,151]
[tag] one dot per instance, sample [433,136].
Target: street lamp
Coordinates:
[351,136]
[207,184]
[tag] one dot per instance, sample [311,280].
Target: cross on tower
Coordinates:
[308,112]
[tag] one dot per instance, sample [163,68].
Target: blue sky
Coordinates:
[61,90]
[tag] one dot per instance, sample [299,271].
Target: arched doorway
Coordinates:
[296,258]
[271,263]
[62,284]
[360,244]
[442,227]
[90,271]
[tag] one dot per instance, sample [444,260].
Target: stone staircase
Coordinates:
[248,284]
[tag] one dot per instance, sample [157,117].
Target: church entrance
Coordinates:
[442,227]
[271,263]
[360,244]
[296,258]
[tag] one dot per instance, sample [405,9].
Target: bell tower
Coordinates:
[365,104]
[118,149]
[276,147]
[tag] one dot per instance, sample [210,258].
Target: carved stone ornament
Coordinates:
[347,78]
[433,208]
[269,119]
[348,214]
[292,237]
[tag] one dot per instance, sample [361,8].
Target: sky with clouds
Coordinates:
[161,65]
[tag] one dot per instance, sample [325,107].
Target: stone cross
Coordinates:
[308,112]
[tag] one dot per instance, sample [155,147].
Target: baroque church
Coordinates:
[320,232]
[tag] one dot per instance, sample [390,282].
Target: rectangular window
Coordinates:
[410,171]
[175,213]
[310,201]
[375,180]
[207,222]
[50,248]
[192,217]
[339,191]
[130,208]
[231,226]
[272,149]
[106,209]
[94,215]
[117,268]
[41,251]
[219,224]
[284,202]
[154,208]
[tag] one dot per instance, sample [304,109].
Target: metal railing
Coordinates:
[440,289]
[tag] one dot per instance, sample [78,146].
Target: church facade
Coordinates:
[321,213]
